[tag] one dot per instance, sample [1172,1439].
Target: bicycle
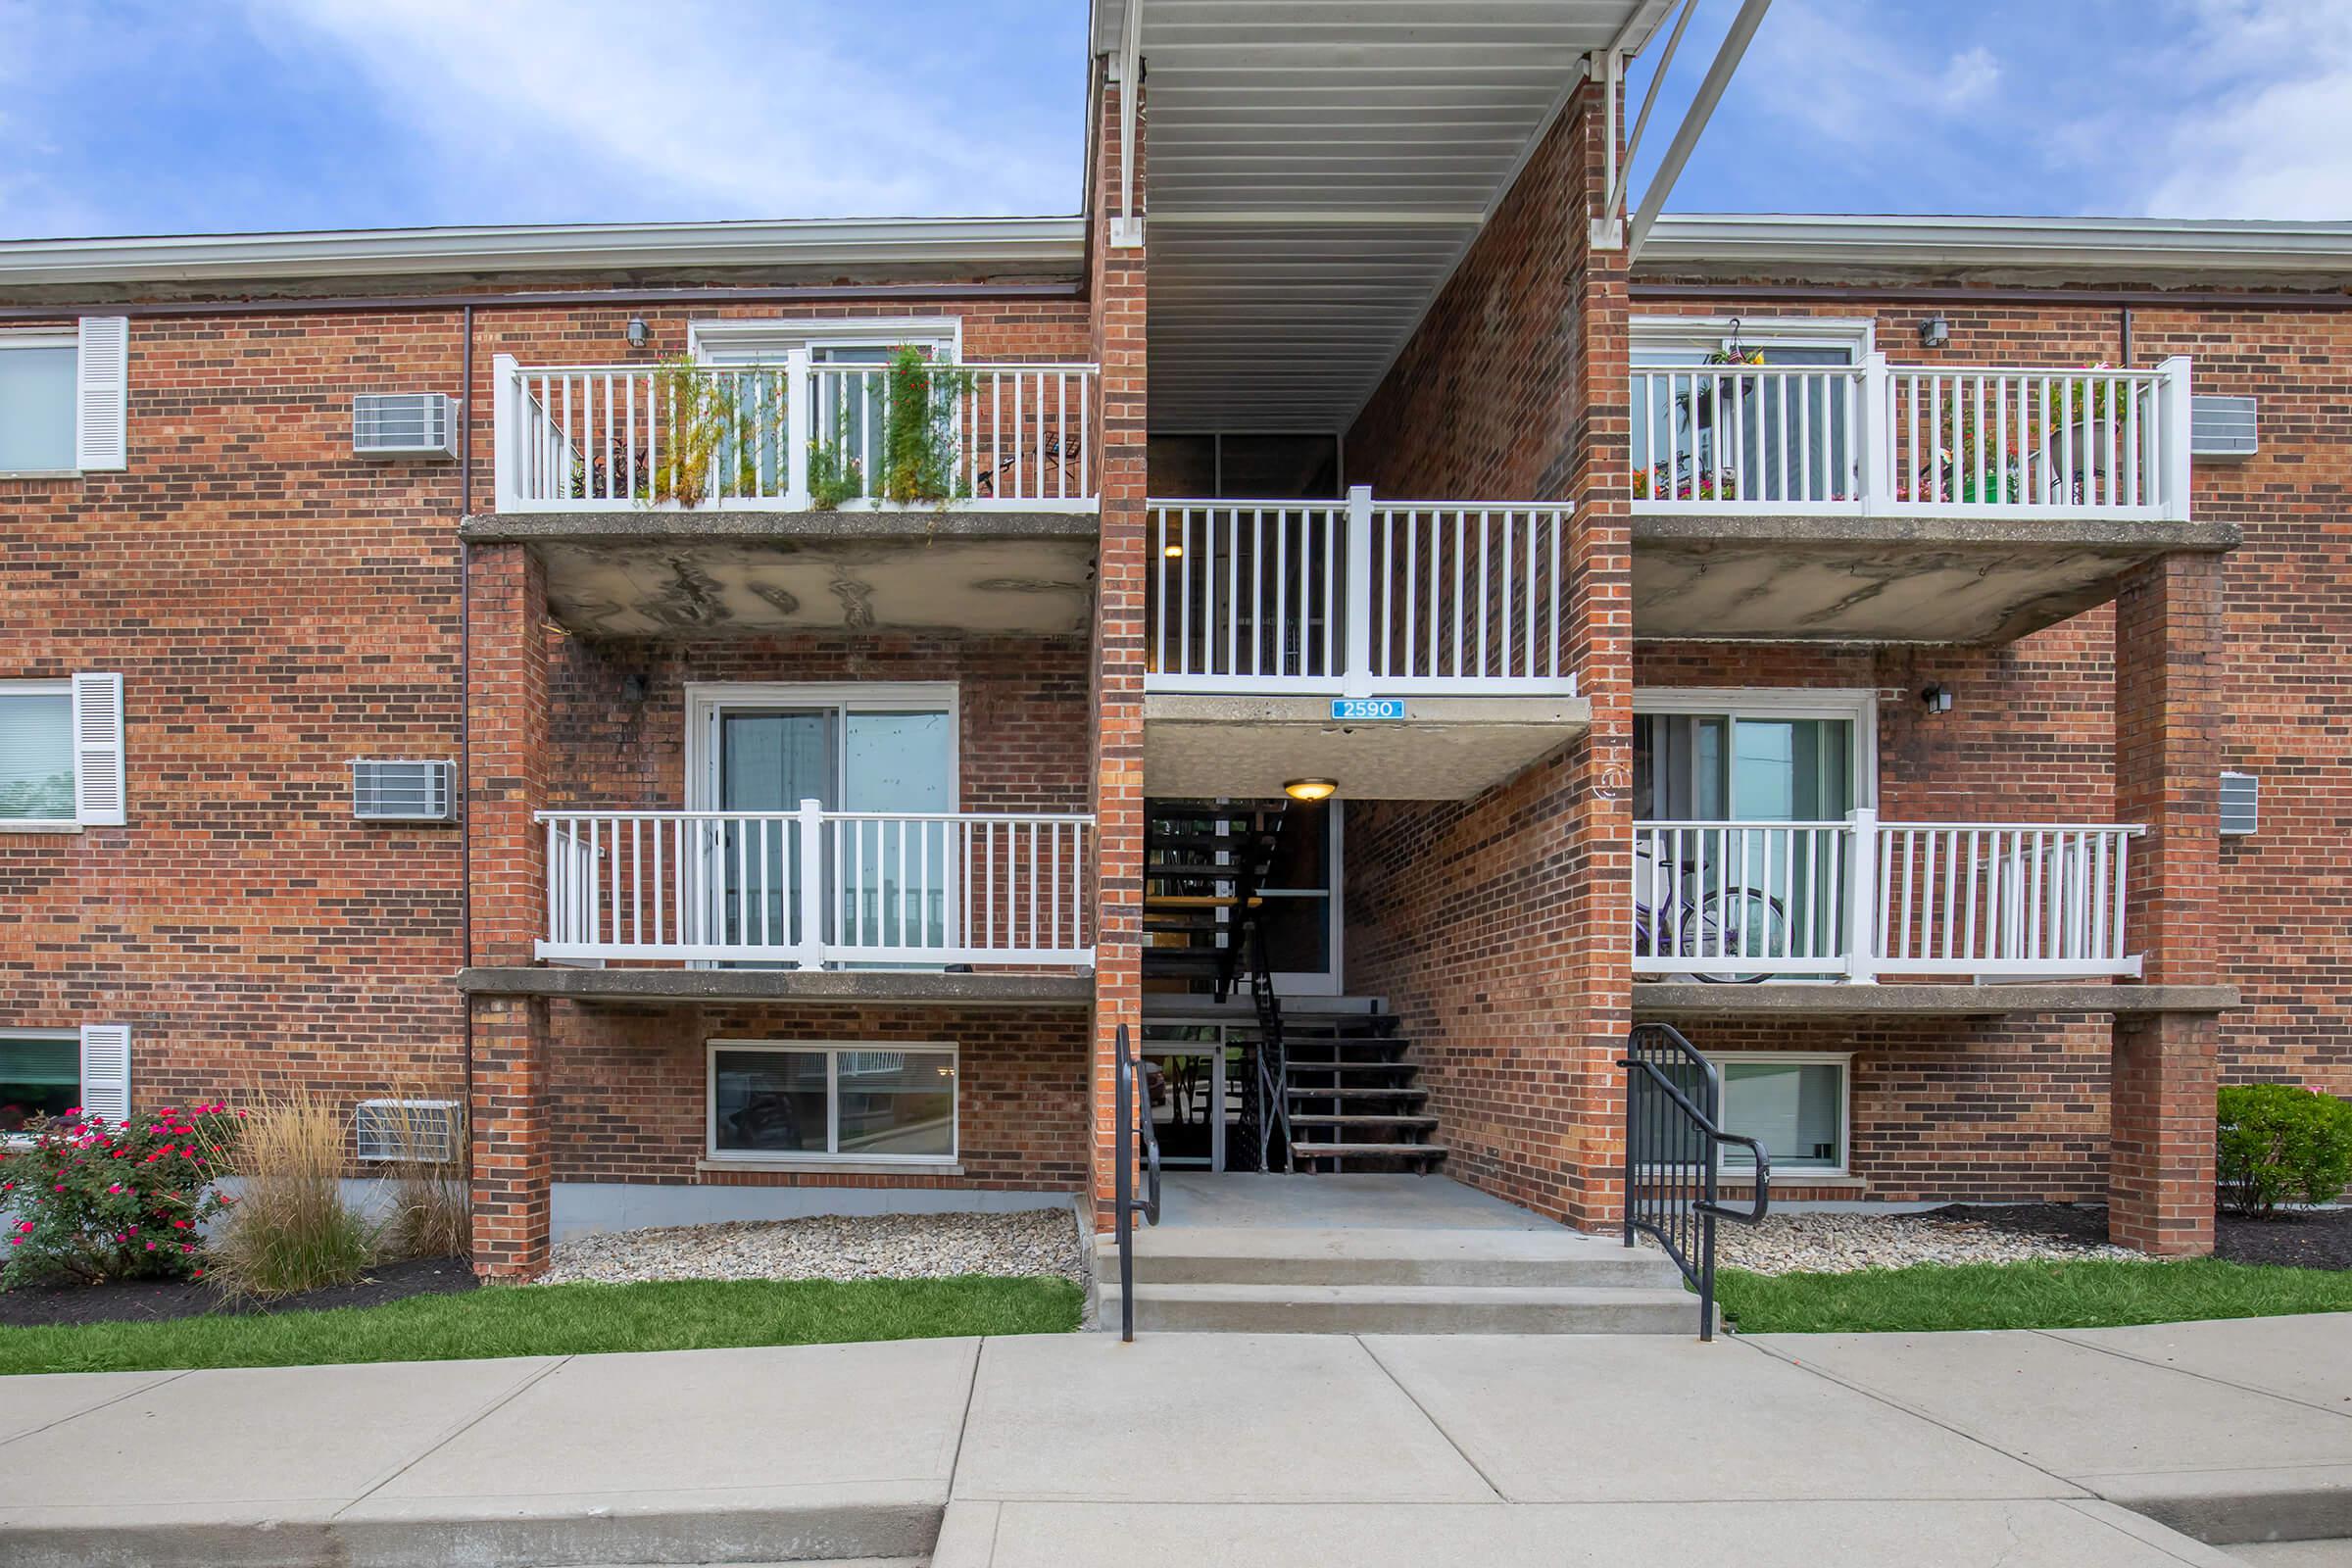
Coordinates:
[1719,920]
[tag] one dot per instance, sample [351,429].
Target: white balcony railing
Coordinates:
[1354,598]
[791,435]
[811,887]
[1861,899]
[1880,440]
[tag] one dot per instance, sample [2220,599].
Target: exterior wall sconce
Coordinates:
[1937,699]
[1934,332]
[638,332]
[1172,552]
[1311,790]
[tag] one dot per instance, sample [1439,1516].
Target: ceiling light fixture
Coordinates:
[1311,789]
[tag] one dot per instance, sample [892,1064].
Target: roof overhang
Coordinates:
[1051,245]
[2078,249]
[1313,171]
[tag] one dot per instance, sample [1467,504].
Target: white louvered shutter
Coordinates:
[102,394]
[106,1070]
[98,751]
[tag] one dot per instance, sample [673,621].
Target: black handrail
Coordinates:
[1273,1055]
[1132,1114]
[1673,1157]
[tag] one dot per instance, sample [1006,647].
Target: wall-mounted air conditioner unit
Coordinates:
[420,1132]
[394,424]
[2241,804]
[2220,427]
[403,790]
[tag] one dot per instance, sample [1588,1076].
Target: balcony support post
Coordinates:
[1861,897]
[800,427]
[505,428]
[1876,421]
[810,829]
[1355,677]
[2172,406]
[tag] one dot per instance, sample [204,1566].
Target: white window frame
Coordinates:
[71,822]
[706,700]
[750,341]
[47,339]
[827,1157]
[1857,334]
[1795,1175]
[1856,704]
[68,1036]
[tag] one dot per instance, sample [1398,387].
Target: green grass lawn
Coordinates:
[2094,1294]
[562,1321]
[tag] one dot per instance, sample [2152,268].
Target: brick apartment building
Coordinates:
[1830,636]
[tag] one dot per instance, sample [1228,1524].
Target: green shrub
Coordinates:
[90,1200]
[2280,1143]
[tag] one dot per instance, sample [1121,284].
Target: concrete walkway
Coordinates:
[1932,1451]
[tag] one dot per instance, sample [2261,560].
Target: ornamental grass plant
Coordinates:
[288,1229]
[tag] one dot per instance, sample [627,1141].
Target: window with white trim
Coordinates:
[40,1075]
[774,1100]
[38,374]
[1797,1104]
[61,753]
[64,398]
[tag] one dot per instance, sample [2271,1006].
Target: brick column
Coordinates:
[509,1123]
[506,698]
[1117,287]
[2168,776]
[1600,638]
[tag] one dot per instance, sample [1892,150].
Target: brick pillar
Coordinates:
[506,698]
[1600,638]
[1117,288]
[2167,626]
[510,1122]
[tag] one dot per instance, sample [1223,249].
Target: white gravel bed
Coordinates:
[1840,1243]
[865,1247]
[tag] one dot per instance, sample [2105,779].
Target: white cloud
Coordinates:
[1846,77]
[681,106]
[1970,76]
[2262,124]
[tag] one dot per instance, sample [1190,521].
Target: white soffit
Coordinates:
[1313,171]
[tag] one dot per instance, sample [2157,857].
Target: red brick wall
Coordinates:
[629,1091]
[1482,922]
[278,607]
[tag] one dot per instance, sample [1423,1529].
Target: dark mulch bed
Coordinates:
[2320,1237]
[153,1300]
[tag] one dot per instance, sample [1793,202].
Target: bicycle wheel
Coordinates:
[1736,921]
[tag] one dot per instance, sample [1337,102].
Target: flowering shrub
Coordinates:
[91,1199]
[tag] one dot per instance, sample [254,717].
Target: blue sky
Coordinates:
[173,116]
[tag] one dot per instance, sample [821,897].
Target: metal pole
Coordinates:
[1685,135]
[1123,1187]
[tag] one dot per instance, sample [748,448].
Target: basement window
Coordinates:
[831,1101]
[1797,1104]
[40,1076]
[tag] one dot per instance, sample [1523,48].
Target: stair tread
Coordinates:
[1369,1151]
[1404,1294]
[1302,1119]
[1320,1065]
[1295,1092]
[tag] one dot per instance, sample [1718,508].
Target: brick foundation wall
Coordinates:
[628,1090]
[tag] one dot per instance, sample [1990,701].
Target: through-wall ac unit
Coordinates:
[2221,426]
[401,789]
[420,1132]
[2241,804]
[391,424]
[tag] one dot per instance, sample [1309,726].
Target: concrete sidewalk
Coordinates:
[1936,1450]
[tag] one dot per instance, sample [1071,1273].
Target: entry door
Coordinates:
[894,879]
[1188,1069]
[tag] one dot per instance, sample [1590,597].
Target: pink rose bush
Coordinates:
[87,1199]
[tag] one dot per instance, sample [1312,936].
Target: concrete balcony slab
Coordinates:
[1800,999]
[1748,578]
[671,986]
[721,573]
[1445,748]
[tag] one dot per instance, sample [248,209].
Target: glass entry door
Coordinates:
[1756,768]
[892,878]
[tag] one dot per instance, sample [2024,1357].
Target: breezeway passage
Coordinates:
[1938,1450]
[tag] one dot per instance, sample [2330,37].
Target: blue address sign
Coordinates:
[1362,708]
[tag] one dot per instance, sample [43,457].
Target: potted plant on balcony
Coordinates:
[1698,403]
[718,438]
[918,438]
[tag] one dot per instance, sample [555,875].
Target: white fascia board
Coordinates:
[1053,243]
[1688,239]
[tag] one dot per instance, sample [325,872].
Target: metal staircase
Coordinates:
[1356,1102]
[1326,1093]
